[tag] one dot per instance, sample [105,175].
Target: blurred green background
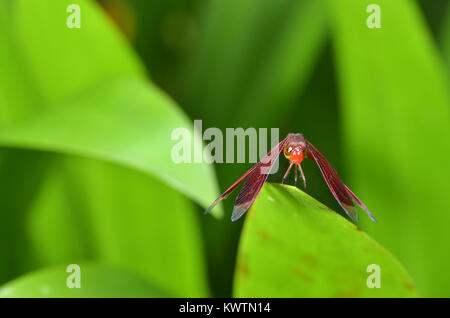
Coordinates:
[86,116]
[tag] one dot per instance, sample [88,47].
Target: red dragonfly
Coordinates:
[295,148]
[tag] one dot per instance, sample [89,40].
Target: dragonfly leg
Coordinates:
[287,172]
[303,176]
[281,171]
[295,176]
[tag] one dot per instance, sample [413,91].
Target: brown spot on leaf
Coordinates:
[350,291]
[345,294]
[242,268]
[409,286]
[301,274]
[309,260]
[263,234]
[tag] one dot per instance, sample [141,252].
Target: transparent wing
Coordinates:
[255,181]
[337,187]
[230,189]
[258,172]
[362,205]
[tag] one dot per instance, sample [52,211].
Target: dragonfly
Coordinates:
[295,148]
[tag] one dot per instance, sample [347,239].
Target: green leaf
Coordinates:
[445,41]
[82,92]
[96,281]
[117,215]
[293,246]
[55,61]
[264,67]
[285,71]
[396,121]
[21,175]
[85,100]
[127,122]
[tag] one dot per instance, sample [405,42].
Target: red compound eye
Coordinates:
[296,157]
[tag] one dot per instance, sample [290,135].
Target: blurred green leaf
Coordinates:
[445,40]
[293,246]
[396,123]
[57,62]
[119,216]
[21,174]
[96,281]
[263,67]
[123,119]
[287,65]
[83,92]
[44,65]
[128,122]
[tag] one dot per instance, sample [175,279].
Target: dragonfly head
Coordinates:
[294,151]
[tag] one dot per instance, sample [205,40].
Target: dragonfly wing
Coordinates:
[337,187]
[255,181]
[360,203]
[230,189]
